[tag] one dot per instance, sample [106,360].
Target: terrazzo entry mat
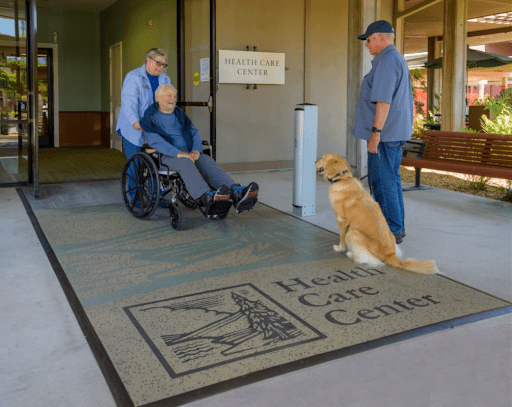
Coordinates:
[181,315]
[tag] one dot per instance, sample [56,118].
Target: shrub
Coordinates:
[507,193]
[501,124]
[477,182]
[501,108]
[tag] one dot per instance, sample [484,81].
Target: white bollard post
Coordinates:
[304,170]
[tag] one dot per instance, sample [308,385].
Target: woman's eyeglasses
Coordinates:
[159,64]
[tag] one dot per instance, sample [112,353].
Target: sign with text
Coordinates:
[265,68]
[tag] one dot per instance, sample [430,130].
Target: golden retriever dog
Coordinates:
[364,232]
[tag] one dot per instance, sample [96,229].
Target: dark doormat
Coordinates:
[178,315]
[79,164]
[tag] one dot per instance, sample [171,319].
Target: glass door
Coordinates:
[44,97]
[14,145]
[197,66]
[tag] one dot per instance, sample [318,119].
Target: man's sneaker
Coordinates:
[217,203]
[244,198]
[398,238]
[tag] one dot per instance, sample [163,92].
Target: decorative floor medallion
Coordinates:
[204,330]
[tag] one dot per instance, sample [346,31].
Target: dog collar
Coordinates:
[332,180]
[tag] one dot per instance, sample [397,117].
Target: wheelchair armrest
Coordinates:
[147,149]
[207,148]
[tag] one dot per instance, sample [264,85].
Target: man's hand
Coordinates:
[185,155]
[373,143]
[381,114]
[194,155]
[136,126]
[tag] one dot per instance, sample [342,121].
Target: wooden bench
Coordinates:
[487,155]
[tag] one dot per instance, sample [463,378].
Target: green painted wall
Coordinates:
[126,21]
[79,55]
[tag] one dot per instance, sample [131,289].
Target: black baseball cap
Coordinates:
[381,26]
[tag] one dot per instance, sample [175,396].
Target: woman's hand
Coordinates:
[136,126]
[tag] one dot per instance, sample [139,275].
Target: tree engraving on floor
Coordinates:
[205,330]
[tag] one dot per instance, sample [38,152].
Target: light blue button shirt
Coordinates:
[136,96]
[389,82]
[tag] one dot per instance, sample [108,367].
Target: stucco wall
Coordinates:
[126,21]
[78,38]
[328,61]
[257,124]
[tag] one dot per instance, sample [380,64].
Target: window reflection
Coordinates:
[13,92]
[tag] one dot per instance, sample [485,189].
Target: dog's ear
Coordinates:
[331,167]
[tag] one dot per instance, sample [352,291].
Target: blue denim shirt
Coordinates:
[136,96]
[389,82]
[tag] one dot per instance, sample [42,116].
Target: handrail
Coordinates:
[190,104]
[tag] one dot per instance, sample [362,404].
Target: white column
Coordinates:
[453,105]
[433,75]
[362,13]
[481,89]
[399,26]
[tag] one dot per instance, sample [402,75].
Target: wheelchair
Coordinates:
[154,181]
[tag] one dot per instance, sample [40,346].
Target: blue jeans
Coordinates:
[386,183]
[129,150]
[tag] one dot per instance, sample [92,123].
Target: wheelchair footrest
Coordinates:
[218,209]
[246,204]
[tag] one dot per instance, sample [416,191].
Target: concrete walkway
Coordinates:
[46,360]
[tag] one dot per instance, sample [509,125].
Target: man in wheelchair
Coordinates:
[169,131]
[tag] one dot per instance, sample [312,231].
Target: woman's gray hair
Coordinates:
[160,88]
[155,52]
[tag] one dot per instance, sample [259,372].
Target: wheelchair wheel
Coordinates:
[140,185]
[175,214]
[184,196]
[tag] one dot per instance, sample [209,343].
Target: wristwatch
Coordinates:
[376,130]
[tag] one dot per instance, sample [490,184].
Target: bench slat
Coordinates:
[478,156]
[480,170]
[497,144]
[491,152]
[488,155]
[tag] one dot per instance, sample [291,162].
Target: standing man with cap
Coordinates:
[384,118]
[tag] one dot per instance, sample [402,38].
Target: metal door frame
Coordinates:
[212,103]
[51,92]
[31,121]
[33,155]
[111,73]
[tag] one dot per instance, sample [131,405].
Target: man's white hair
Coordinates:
[389,36]
[160,88]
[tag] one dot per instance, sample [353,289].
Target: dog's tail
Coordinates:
[423,267]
